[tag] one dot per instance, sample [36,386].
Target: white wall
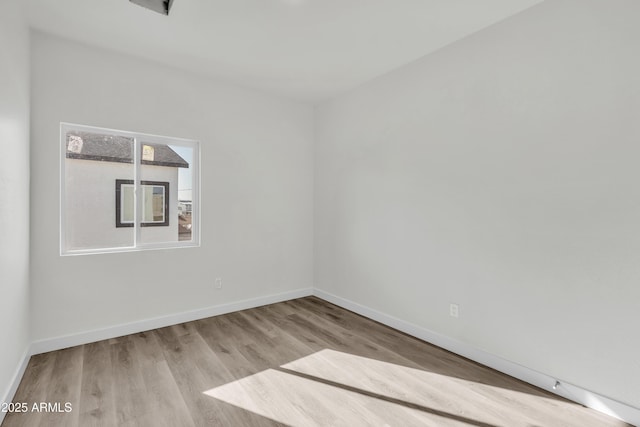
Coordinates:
[500,173]
[14,190]
[257,172]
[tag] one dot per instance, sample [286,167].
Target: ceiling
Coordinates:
[305,49]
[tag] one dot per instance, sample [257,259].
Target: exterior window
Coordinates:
[123,191]
[155,204]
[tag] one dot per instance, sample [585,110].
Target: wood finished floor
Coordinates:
[299,363]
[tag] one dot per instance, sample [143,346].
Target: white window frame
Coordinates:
[137,137]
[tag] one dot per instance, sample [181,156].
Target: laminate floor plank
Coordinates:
[303,362]
[97,400]
[168,406]
[314,338]
[132,406]
[198,369]
[220,336]
[65,384]
[32,390]
[190,382]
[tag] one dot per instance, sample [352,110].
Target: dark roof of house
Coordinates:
[113,148]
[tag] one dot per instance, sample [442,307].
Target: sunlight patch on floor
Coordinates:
[335,388]
[298,401]
[401,382]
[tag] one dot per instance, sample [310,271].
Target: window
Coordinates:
[155,204]
[123,191]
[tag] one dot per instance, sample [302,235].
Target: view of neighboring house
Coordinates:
[99,198]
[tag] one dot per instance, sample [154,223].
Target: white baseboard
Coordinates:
[66,341]
[569,391]
[15,380]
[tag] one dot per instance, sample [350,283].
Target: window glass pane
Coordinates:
[147,205]
[93,162]
[127,204]
[153,204]
[185,194]
[162,171]
[123,190]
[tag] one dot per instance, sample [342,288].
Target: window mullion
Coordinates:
[137,193]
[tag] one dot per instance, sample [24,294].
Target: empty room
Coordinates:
[320,213]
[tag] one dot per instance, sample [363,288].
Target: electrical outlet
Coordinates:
[218,283]
[454,310]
